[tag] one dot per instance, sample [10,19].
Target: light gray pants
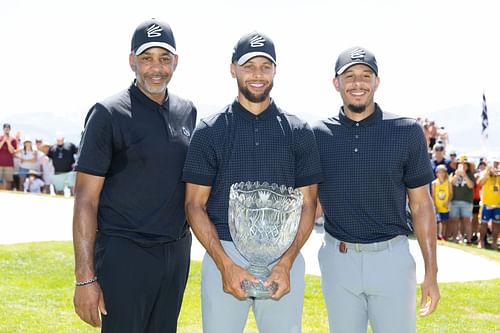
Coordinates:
[224,313]
[360,286]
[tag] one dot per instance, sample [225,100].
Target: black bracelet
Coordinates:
[84,283]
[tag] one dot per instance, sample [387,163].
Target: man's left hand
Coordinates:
[280,275]
[430,296]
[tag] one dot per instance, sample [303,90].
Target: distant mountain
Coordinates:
[463,124]
[45,125]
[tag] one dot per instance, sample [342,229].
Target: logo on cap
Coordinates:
[154,31]
[358,54]
[257,41]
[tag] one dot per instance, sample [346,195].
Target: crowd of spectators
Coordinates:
[36,167]
[465,191]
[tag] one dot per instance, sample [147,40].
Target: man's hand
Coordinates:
[89,301]
[430,296]
[280,275]
[232,278]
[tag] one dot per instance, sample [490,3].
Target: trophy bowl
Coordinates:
[263,222]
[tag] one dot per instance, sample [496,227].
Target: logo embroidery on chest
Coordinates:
[186,132]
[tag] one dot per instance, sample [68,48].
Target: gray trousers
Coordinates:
[224,313]
[378,286]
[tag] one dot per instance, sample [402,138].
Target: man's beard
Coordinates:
[153,90]
[253,97]
[360,108]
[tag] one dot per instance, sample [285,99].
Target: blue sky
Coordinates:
[63,56]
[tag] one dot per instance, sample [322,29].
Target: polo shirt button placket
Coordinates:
[356,136]
[256,131]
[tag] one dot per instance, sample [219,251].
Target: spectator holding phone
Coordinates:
[462,180]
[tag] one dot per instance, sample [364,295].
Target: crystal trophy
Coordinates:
[263,221]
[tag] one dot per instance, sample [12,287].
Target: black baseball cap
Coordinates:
[254,44]
[353,56]
[153,33]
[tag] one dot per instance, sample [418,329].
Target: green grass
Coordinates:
[487,253]
[37,289]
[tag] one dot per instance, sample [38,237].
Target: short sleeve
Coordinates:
[418,169]
[201,162]
[308,166]
[96,147]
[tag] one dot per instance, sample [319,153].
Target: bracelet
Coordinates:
[84,283]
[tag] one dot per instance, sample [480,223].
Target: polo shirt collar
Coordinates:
[375,117]
[270,111]
[148,102]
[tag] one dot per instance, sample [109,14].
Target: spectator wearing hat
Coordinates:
[438,158]
[8,148]
[46,165]
[252,139]
[372,162]
[134,270]
[453,156]
[442,192]
[462,180]
[28,158]
[33,183]
[490,212]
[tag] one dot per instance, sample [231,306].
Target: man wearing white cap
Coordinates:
[134,269]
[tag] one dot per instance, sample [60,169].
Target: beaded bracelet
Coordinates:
[84,283]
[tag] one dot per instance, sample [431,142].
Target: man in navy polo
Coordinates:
[373,160]
[131,239]
[250,140]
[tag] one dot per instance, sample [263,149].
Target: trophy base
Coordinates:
[258,290]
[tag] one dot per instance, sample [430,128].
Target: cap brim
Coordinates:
[244,58]
[346,66]
[149,45]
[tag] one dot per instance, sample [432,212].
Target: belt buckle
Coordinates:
[342,247]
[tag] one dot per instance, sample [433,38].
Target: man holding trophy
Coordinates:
[252,172]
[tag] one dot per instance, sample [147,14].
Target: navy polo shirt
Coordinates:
[139,147]
[238,146]
[368,166]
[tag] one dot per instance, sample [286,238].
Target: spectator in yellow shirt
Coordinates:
[489,180]
[442,193]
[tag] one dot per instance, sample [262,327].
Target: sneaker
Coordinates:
[474,239]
